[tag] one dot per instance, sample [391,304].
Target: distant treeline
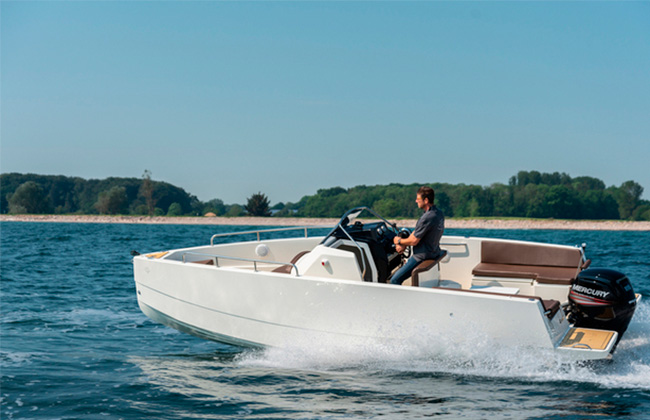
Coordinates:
[527,194]
[47,194]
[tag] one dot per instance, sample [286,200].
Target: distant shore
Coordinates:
[545,224]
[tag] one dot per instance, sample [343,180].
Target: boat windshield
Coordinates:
[353,214]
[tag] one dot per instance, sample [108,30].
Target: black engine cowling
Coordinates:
[603,299]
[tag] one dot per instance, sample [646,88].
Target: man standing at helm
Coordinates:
[425,239]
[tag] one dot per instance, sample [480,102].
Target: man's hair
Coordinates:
[428,193]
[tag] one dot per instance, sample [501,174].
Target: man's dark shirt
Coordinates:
[429,229]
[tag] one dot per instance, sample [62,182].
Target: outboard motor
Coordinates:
[602,299]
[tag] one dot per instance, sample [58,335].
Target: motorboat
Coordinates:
[265,291]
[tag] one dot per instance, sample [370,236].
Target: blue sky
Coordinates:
[225,99]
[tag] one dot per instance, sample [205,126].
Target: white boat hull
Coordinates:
[331,291]
[261,308]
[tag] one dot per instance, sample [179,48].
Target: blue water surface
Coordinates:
[74,345]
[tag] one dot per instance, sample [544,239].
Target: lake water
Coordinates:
[74,345]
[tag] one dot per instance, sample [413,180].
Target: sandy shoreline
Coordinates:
[293,221]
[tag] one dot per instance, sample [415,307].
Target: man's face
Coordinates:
[421,202]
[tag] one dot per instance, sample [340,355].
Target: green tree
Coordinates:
[215,206]
[175,209]
[503,198]
[586,183]
[472,202]
[444,203]
[387,207]
[331,192]
[258,205]
[535,200]
[561,202]
[642,212]
[147,191]
[628,197]
[29,198]
[140,210]
[597,204]
[235,211]
[61,194]
[166,194]
[112,201]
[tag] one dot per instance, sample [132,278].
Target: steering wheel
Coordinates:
[405,233]
[407,252]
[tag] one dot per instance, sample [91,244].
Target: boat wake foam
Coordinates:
[476,355]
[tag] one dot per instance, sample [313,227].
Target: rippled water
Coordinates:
[74,345]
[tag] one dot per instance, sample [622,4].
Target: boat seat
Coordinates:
[206,262]
[544,264]
[426,265]
[543,274]
[286,269]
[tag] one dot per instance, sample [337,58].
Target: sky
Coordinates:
[227,99]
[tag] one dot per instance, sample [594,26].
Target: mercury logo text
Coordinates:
[593,292]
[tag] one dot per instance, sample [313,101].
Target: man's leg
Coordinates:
[404,272]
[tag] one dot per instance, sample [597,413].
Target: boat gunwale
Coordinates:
[311,278]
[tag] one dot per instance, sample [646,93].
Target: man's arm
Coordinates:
[401,244]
